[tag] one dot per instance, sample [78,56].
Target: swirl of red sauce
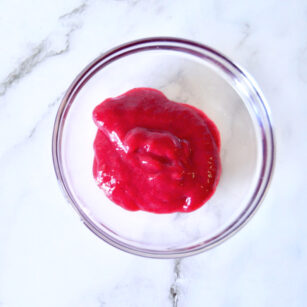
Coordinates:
[153,154]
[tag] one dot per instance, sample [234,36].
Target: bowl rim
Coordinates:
[204,52]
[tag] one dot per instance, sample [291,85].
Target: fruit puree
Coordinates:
[153,154]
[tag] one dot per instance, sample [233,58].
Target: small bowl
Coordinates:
[188,72]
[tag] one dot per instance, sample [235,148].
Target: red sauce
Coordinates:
[153,154]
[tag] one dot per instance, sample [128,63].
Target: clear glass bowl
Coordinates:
[188,72]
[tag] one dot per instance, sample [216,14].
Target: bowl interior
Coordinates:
[182,77]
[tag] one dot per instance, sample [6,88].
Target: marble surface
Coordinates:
[47,257]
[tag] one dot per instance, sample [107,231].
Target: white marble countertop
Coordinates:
[47,257]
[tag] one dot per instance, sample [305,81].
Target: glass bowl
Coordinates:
[188,72]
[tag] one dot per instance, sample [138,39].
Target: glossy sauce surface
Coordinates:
[154,154]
